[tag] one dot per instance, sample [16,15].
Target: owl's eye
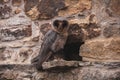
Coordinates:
[56,23]
[65,23]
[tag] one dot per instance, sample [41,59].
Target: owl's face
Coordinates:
[61,25]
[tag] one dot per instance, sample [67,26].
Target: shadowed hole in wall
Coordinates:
[71,51]
[73,43]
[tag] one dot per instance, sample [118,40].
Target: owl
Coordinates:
[53,42]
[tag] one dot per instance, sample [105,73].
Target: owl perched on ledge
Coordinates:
[53,42]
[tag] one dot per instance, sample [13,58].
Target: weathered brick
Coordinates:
[45,28]
[92,30]
[106,50]
[48,8]
[25,54]
[16,2]
[44,9]
[112,31]
[31,9]
[30,4]
[14,33]
[74,6]
[4,1]
[2,49]
[115,6]
[5,11]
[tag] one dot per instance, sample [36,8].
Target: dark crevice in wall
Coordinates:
[71,51]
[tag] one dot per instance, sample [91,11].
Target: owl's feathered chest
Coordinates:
[56,40]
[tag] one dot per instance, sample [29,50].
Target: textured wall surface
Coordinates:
[96,23]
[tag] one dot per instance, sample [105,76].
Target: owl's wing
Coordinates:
[45,51]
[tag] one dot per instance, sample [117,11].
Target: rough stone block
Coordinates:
[75,6]
[114,5]
[45,28]
[60,64]
[4,1]
[5,11]
[112,31]
[16,2]
[44,9]
[107,50]
[15,33]
[49,8]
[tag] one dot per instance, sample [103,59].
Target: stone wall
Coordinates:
[92,49]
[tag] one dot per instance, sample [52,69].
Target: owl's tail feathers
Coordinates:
[34,62]
[38,61]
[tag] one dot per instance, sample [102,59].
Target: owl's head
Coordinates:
[61,26]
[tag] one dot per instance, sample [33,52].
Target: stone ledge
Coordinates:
[83,71]
[64,64]
[19,67]
[61,63]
